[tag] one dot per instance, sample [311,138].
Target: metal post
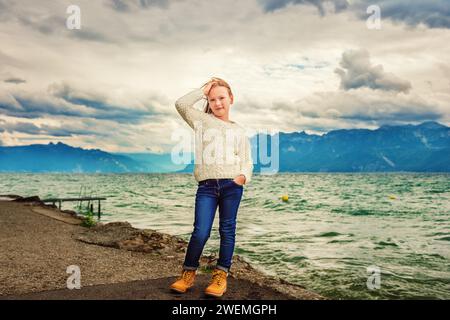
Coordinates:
[99,212]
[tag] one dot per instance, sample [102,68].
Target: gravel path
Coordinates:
[157,289]
[37,249]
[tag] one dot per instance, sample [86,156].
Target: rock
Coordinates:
[71,212]
[28,199]
[109,235]
[11,196]
[123,236]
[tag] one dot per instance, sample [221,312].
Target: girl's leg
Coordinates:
[230,198]
[206,202]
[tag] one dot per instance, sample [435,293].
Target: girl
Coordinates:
[221,175]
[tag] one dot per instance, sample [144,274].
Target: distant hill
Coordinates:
[60,157]
[155,162]
[422,148]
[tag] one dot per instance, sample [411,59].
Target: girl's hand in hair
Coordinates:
[207,86]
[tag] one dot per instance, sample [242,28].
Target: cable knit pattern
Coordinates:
[215,131]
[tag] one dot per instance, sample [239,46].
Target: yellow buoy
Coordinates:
[391,196]
[285,197]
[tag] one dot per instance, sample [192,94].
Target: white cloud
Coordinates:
[139,60]
[358,72]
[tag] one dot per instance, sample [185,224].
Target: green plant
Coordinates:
[206,268]
[88,220]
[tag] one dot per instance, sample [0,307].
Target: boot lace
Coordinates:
[187,275]
[217,278]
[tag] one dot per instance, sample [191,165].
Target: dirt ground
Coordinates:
[116,261]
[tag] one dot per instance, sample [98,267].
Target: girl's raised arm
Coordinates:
[185,107]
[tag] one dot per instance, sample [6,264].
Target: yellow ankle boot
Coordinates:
[218,285]
[184,282]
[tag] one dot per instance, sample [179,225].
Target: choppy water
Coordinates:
[332,229]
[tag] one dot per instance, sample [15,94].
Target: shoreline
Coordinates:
[40,242]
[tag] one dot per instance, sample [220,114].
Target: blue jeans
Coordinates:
[211,193]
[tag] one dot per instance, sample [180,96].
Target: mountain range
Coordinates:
[390,148]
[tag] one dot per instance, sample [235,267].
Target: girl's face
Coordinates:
[219,101]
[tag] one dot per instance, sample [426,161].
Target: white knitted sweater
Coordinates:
[222,150]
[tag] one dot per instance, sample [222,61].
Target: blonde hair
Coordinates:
[218,82]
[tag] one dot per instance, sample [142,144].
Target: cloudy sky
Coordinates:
[293,65]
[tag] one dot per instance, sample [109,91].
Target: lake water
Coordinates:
[325,237]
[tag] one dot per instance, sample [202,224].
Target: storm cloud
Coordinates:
[14,80]
[63,100]
[434,14]
[292,65]
[129,5]
[272,5]
[357,72]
